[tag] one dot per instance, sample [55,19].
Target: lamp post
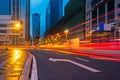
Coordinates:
[66,31]
[58,38]
[6,41]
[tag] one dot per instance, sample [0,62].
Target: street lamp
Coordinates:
[6,41]
[66,31]
[17,26]
[58,38]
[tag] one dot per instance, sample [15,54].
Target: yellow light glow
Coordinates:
[17,25]
[66,31]
[16,55]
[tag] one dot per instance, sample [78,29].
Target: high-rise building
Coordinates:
[48,17]
[5,20]
[54,12]
[12,12]
[25,17]
[5,8]
[16,5]
[35,25]
[88,17]
[74,18]
[27,24]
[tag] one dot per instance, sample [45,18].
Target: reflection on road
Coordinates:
[17,54]
[12,64]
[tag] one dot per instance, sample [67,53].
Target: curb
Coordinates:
[27,68]
[34,73]
[30,69]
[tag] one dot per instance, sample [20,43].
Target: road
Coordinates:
[54,65]
[12,64]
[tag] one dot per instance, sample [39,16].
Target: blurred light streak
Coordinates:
[73,32]
[101,16]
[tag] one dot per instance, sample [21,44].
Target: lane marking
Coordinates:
[75,63]
[82,59]
[107,58]
[34,75]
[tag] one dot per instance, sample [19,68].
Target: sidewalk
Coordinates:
[86,49]
[26,72]
[13,65]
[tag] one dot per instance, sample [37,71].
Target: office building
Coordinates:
[25,18]
[74,16]
[103,19]
[35,25]
[88,17]
[54,13]
[11,14]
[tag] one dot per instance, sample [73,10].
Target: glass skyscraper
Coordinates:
[54,13]
[35,25]
[5,7]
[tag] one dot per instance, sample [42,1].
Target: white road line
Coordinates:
[85,67]
[75,63]
[34,75]
[82,59]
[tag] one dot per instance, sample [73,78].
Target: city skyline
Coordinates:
[40,6]
[59,39]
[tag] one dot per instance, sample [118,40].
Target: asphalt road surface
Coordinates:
[52,65]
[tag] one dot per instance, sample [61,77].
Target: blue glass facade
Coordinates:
[5,7]
[36,25]
[54,13]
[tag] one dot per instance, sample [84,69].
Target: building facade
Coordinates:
[74,17]
[47,17]
[117,15]
[72,20]
[102,16]
[54,13]
[11,13]
[5,9]
[88,17]
[27,30]
[35,26]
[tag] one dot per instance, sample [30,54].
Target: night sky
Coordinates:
[39,6]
